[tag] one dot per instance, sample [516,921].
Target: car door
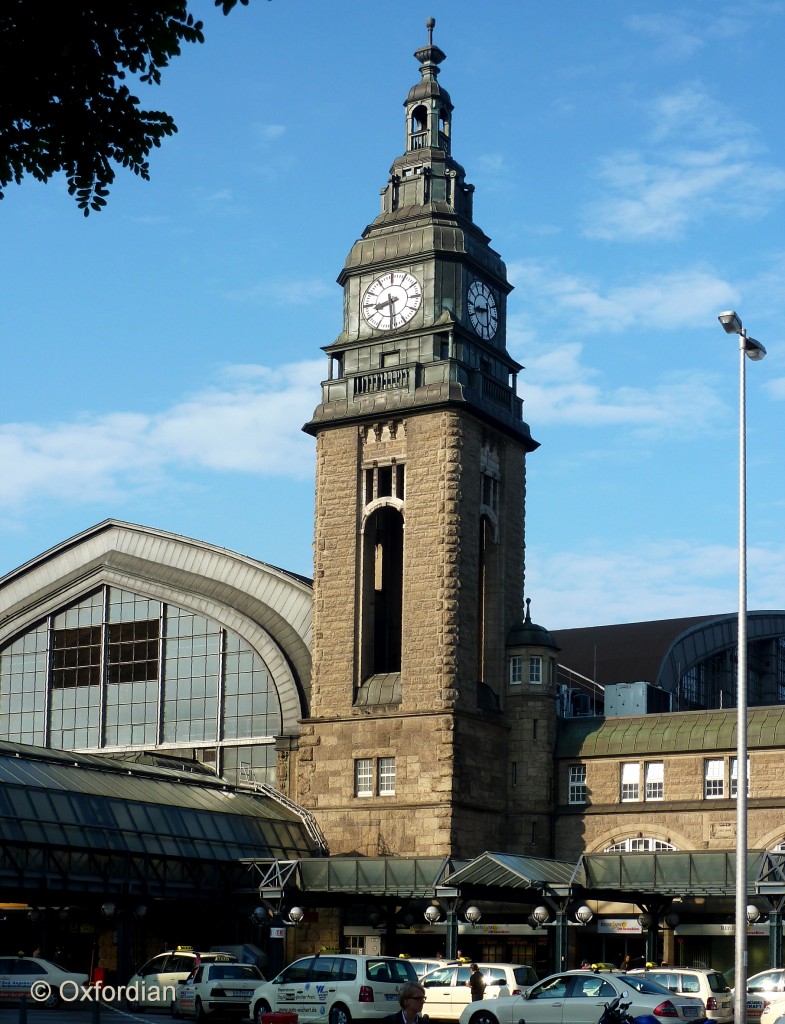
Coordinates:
[290,990]
[545,1002]
[438,991]
[186,991]
[587,998]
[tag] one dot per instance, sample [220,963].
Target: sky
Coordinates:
[160,358]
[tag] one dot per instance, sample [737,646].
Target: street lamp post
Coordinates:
[752,349]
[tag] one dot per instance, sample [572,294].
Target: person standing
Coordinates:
[476,982]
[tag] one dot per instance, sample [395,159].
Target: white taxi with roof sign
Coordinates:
[334,988]
[155,984]
[216,989]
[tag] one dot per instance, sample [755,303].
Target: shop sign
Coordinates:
[618,926]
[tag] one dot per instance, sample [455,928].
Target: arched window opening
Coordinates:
[418,128]
[444,130]
[641,844]
[485,583]
[382,592]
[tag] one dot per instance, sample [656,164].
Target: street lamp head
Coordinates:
[432,914]
[540,914]
[584,914]
[753,349]
[730,321]
[472,915]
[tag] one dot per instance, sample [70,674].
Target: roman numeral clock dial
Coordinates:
[392,300]
[481,307]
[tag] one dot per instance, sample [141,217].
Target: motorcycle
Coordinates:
[617,1012]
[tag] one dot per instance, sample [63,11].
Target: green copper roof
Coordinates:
[686,731]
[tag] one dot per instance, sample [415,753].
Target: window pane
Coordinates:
[386,776]
[630,781]
[363,777]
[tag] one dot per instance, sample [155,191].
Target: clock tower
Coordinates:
[419,549]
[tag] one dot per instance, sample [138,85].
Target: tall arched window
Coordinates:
[382,600]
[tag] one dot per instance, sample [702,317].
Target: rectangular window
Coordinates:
[516,670]
[535,670]
[630,781]
[577,784]
[514,773]
[714,778]
[734,777]
[363,776]
[655,780]
[386,769]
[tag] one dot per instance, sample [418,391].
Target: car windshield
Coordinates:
[644,985]
[717,982]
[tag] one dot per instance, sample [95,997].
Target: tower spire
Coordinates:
[430,56]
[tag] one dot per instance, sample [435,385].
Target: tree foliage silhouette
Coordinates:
[65,101]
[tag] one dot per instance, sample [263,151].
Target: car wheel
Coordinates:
[133,1006]
[340,1015]
[261,1008]
[199,1014]
[483,1017]
[173,1011]
[52,1000]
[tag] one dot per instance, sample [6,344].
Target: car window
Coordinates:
[463,976]
[647,986]
[28,967]
[690,983]
[494,975]
[666,978]
[6,965]
[717,982]
[198,974]
[441,976]
[525,975]
[593,988]
[554,988]
[298,971]
[402,971]
[178,962]
[153,966]
[347,967]
[325,968]
[769,982]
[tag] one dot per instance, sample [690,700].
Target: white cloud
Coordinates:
[249,425]
[697,160]
[642,581]
[688,296]
[560,389]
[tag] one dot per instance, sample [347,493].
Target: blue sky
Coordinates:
[629,164]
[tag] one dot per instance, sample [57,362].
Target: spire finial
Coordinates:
[430,56]
[528,610]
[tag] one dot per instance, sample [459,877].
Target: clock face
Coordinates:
[481,306]
[392,300]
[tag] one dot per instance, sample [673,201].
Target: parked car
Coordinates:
[216,990]
[447,988]
[38,979]
[334,987]
[579,997]
[710,985]
[774,1011]
[422,966]
[155,984]
[764,989]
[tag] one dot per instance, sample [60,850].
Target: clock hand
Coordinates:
[389,301]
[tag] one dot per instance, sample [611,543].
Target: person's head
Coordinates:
[473,968]
[411,996]
[585,963]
